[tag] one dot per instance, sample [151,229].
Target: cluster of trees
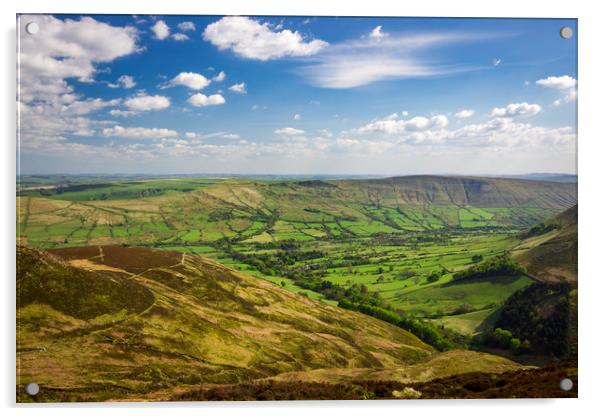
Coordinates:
[540,314]
[220,215]
[502,265]
[287,245]
[436,275]
[356,293]
[275,263]
[406,274]
[503,338]
[420,328]
[477,258]
[540,229]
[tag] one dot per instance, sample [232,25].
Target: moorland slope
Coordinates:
[108,322]
[549,250]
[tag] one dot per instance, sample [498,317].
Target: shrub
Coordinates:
[502,337]
[477,258]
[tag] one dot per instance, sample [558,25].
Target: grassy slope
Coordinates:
[552,256]
[475,191]
[549,257]
[196,322]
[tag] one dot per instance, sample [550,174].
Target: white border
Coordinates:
[590,199]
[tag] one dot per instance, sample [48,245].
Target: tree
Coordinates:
[525,346]
[502,337]
[477,258]
[282,283]
[433,277]
[515,344]
[502,265]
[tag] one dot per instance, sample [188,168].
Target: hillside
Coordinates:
[180,212]
[403,190]
[461,191]
[529,383]
[99,323]
[549,251]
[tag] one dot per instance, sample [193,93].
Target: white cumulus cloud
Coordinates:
[392,125]
[220,77]
[202,100]
[377,33]
[87,106]
[251,39]
[124,81]
[122,113]
[191,80]
[240,88]
[180,37]
[185,26]
[464,113]
[63,50]
[563,82]
[289,131]
[160,29]
[516,109]
[147,102]
[138,132]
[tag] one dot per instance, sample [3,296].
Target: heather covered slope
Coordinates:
[118,320]
[549,250]
[100,323]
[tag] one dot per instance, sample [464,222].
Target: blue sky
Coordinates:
[296,95]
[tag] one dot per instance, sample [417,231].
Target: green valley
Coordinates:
[420,254]
[399,237]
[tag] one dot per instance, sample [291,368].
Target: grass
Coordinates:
[470,323]
[447,298]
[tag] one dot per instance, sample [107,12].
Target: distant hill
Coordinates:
[550,177]
[549,250]
[458,190]
[99,323]
[394,191]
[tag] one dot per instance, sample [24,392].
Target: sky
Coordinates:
[295,95]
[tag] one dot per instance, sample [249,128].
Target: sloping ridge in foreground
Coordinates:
[101,323]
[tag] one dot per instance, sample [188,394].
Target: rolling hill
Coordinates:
[107,322]
[180,212]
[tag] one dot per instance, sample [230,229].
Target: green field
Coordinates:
[387,239]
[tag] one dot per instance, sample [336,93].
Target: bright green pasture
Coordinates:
[448,297]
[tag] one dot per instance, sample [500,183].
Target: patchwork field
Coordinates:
[400,238]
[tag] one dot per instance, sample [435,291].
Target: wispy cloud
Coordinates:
[359,62]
